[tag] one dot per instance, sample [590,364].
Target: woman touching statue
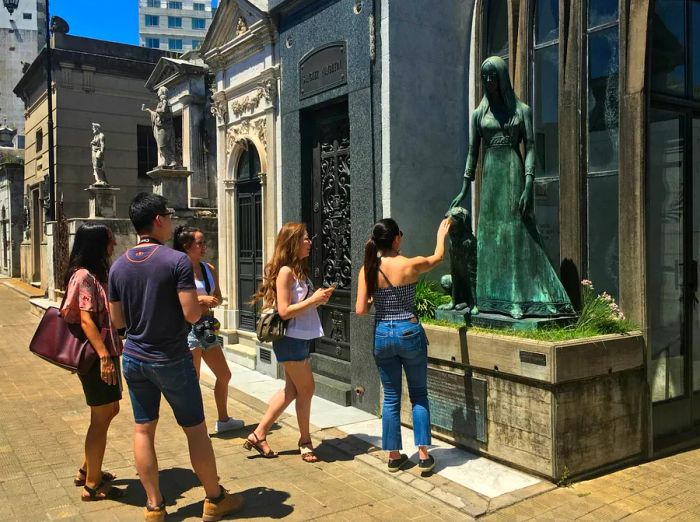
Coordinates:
[514,275]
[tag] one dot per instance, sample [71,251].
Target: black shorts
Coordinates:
[97,392]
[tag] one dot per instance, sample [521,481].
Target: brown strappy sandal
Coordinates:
[100,493]
[79,480]
[307,453]
[249,445]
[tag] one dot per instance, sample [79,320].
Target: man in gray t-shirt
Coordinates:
[152,295]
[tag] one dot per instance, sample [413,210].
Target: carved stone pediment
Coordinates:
[267,90]
[237,134]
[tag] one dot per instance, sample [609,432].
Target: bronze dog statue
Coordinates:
[461,283]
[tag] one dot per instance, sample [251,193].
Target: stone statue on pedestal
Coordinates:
[98,155]
[514,277]
[163,130]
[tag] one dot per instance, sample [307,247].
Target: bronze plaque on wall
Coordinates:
[457,403]
[322,69]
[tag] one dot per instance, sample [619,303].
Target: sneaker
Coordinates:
[426,465]
[229,425]
[397,464]
[155,514]
[216,509]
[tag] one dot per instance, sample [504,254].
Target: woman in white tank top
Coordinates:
[202,339]
[286,285]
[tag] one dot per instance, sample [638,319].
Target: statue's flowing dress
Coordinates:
[514,275]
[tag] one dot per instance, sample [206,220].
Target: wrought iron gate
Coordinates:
[329,222]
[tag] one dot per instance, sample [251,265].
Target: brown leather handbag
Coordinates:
[65,344]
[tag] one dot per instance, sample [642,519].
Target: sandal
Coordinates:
[82,474]
[99,493]
[249,445]
[307,453]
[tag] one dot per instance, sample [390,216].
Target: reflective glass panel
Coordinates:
[696,251]
[695,47]
[546,110]
[547,215]
[603,100]
[665,254]
[497,28]
[603,240]
[668,47]
[601,12]
[546,21]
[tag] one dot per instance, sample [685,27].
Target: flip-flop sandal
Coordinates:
[95,494]
[249,445]
[82,474]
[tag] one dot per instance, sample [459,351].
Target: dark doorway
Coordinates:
[248,234]
[37,236]
[326,142]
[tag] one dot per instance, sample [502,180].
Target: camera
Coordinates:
[206,329]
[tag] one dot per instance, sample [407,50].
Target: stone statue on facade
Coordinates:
[514,277]
[98,155]
[164,130]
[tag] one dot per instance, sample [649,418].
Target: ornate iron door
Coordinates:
[249,249]
[330,224]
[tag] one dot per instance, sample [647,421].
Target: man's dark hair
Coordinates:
[90,252]
[143,210]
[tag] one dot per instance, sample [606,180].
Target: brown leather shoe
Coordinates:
[216,509]
[155,514]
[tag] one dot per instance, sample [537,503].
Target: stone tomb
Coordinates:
[556,409]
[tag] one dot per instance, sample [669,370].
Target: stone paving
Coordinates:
[43,419]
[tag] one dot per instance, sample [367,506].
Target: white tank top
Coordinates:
[306,325]
[199,283]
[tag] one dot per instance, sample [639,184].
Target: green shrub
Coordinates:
[600,313]
[429,296]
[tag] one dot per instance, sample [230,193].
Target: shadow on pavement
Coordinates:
[173,483]
[260,502]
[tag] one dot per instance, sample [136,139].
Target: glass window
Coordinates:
[198,23]
[546,21]
[174,22]
[668,47]
[153,43]
[497,28]
[175,44]
[198,6]
[665,253]
[39,140]
[602,141]
[603,100]
[152,21]
[26,16]
[601,12]
[146,150]
[248,163]
[153,3]
[174,5]
[196,44]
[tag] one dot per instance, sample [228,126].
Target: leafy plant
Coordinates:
[429,296]
[600,312]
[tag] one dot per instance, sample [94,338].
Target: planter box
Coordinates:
[557,409]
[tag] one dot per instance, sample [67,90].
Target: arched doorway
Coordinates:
[249,241]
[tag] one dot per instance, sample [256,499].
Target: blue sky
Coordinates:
[113,20]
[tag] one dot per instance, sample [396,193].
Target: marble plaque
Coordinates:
[457,403]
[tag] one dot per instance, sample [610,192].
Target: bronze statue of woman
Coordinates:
[514,275]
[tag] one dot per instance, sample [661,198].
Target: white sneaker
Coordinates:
[229,425]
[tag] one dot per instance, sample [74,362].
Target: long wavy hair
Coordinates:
[90,252]
[289,240]
[383,235]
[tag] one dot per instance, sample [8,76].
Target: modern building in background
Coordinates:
[177,26]
[21,38]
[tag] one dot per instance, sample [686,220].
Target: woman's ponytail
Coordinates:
[383,235]
[371,265]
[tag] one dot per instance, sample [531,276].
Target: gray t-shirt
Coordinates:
[146,280]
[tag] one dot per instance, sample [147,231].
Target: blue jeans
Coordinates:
[397,345]
[176,380]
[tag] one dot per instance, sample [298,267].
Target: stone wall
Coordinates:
[11,219]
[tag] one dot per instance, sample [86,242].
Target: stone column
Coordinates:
[103,201]
[193,151]
[171,183]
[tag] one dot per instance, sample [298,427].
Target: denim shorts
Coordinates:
[176,380]
[291,349]
[195,342]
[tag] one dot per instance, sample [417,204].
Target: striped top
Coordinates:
[393,304]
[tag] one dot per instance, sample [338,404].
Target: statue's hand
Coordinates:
[525,204]
[456,201]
